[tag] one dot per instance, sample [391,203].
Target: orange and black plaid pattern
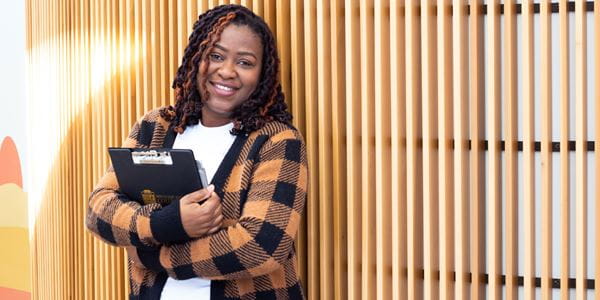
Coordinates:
[262,183]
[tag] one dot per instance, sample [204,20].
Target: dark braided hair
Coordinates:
[265,104]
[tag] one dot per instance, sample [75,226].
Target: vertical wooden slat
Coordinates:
[398,152]
[382,148]
[597,143]
[172,37]
[324,150]
[354,165]
[445,130]
[461,129]
[430,192]
[494,197]
[528,151]
[283,34]
[368,159]
[414,183]
[564,151]
[546,148]
[581,149]
[476,127]
[338,124]
[312,210]
[510,129]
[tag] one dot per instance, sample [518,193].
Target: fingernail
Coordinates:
[210,188]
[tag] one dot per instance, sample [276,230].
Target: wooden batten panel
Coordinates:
[338,128]
[324,150]
[414,206]
[546,148]
[476,158]
[398,149]
[310,59]
[461,130]
[353,148]
[581,149]
[446,164]
[382,149]
[368,150]
[564,151]
[430,159]
[510,129]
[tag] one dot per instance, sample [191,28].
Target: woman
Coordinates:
[230,111]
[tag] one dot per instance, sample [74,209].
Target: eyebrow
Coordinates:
[239,53]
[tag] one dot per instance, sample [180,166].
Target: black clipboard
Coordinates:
[157,175]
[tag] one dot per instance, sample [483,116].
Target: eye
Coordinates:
[215,57]
[245,63]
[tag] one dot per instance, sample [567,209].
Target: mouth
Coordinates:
[223,90]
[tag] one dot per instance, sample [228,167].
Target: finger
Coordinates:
[199,196]
[217,221]
[211,203]
[214,229]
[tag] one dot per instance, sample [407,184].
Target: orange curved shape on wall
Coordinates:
[6,293]
[10,165]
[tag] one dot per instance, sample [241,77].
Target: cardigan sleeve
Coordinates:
[120,221]
[263,237]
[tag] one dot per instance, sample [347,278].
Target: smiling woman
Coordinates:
[230,111]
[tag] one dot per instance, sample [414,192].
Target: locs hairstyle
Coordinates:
[265,104]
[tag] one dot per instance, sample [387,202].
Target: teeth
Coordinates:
[222,87]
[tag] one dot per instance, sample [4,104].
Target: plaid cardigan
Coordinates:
[262,183]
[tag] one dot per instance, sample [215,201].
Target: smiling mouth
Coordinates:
[223,90]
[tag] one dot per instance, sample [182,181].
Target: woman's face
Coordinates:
[233,72]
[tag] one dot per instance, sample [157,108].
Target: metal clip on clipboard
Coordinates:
[151,157]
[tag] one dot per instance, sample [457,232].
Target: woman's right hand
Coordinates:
[206,218]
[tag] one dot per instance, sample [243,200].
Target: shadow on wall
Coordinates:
[14,237]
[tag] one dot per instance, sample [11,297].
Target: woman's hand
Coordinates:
[201,219]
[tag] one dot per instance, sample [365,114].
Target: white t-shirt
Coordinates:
[209,144]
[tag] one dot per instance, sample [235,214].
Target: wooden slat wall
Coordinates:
[400,105]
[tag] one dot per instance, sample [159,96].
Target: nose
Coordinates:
[227,70]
